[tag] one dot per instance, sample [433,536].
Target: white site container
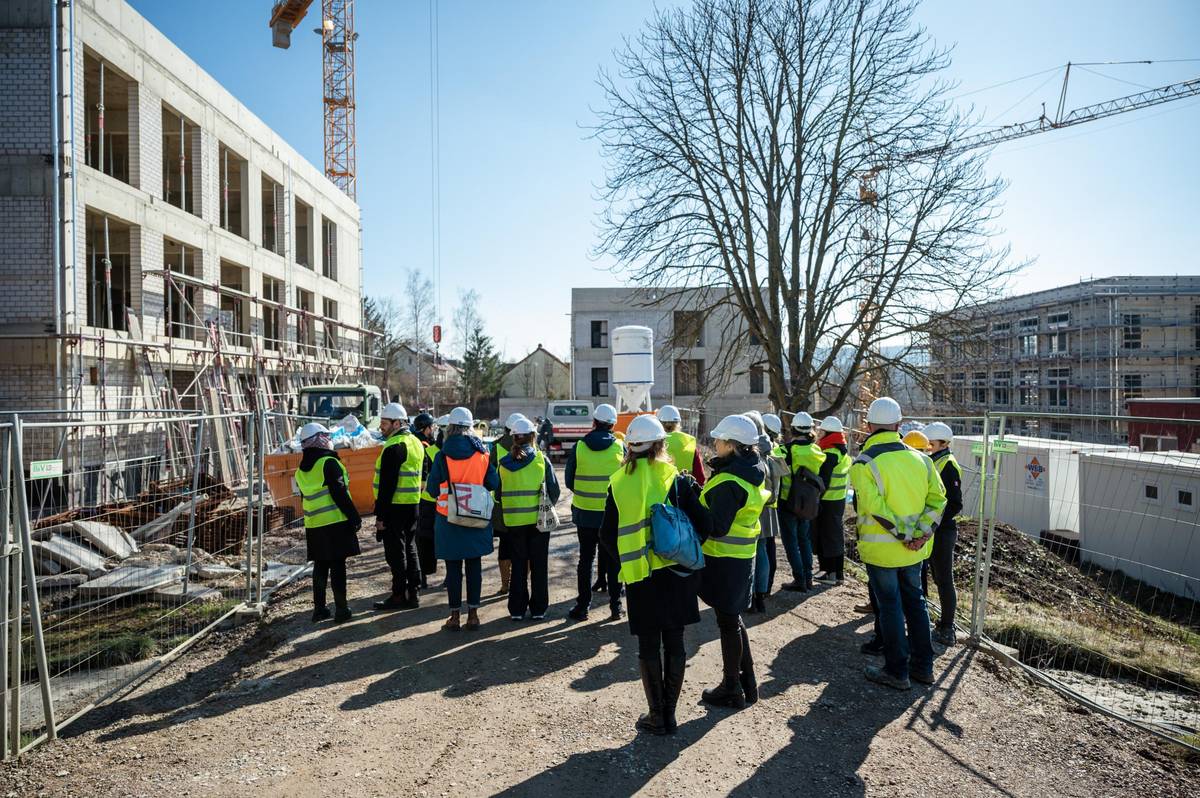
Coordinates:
[1138,515]
[1037,487]
[633,367]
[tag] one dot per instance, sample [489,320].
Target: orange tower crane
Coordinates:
[337,56]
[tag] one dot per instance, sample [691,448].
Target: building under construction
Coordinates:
[164,248]
[1086,348]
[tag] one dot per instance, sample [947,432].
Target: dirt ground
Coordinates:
[390,705]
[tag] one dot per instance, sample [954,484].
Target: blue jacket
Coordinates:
[597,440]
[459,542]
[513,464]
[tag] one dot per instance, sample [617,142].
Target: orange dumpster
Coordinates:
[278,469]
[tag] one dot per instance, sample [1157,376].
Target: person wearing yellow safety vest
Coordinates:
[801,452]
[829,535]
[899,499]
[777,471]
[661,593]
[589,465]
[941,559]
[500,449]
[681,446]
[734,496]
[331,522]
[397,491]
[524,474]
[426,430]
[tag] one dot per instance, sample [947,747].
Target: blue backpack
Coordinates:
[672,535]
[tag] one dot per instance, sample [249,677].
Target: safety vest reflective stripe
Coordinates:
[895,487]
[470,471]
[785,482]
[634,495]
[316,502]
[682,448]
[594,469]
[408,480]
[431,451]
[746,522]
[838,481]
[520,491]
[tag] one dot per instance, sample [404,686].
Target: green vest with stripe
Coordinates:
[521,491]
[634,494]
[803,455]
[943,461]
[408,484]
[740,542]
[682,448]
[785,482]
[319,508]
[592,470]
[835,491]
[431,451]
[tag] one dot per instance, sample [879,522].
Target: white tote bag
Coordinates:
[469,505]
[547,515]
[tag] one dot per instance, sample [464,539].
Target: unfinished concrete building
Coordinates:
[1086,348]
[163,246]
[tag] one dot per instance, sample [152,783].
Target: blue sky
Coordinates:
[517,85]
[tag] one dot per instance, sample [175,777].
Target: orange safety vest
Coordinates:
[462,472]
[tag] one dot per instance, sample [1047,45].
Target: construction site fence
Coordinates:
[125,539]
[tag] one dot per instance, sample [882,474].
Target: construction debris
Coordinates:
[130,577]
[70,556]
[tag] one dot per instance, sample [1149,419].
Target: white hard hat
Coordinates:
[831,424]
[937,431]
[520,425]
[393,411]
[736,428]
[773,423]
[802,420]
[461,417]
[756,417]
[605,414]
[311,429]
[884,411]
[669,413]
[443,420]
[645,429]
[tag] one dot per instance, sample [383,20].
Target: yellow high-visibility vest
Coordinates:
[319,507]
[592,470]
[634,494]
[408,484]
[521,491]
[740,542]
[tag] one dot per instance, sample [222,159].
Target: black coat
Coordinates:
[725,581]
[334,541]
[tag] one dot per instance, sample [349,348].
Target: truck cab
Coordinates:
[334,402]
[571,419]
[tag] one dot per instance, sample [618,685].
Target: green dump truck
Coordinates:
[335,402]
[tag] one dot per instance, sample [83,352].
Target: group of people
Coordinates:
[757,487]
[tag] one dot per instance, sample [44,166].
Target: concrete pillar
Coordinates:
[145,140]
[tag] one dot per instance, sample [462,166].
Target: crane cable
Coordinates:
[435,161]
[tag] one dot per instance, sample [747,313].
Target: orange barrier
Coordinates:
[278,469]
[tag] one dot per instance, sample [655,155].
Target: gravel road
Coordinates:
[390,705]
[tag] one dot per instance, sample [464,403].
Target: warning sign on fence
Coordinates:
[1035,474]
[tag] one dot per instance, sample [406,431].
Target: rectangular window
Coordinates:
[306,335]
[689,377]
[106,119]
[1195,380]
[109,290]
[1029,347]
[979,388]
[1029,389]
[1001,383]
[1150,492]
[600,382]
[1059,431]
[1184,499]
[757,383]
[181,321]
[329,249]
[1001,347]
[1056,384]
[1028,324]
[233,171]
[1057,343]
[1056,321]
[1002,328]
[272,215]
[235,309]
[1133,386]
[599,334]
[181,167]
[304,228]
[1131,328]
[329,309]
[689,328]
[957,386]
[1196,326]
[272,291]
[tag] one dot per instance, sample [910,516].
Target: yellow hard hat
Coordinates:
[917,440]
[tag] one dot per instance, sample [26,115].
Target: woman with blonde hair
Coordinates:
[661,594]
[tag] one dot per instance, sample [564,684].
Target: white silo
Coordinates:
[633,367]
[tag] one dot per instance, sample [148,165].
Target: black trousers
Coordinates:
[652,645]
[589,542]
[324,572]
[941,562]
[529,551]
[399,548]
[425,549]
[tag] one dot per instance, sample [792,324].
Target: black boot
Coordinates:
[320,613]
[673,667]
[746,671]
[319,581]
[412,601]
[342,613]
[652,682]
[760,603]
[729,692]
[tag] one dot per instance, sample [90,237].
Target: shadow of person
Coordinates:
[616,772]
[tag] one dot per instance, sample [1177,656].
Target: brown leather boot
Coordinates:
[505,576]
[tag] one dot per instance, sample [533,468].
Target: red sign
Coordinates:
[437,333]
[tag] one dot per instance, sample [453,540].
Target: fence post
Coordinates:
[977,574]
[191,531]
[261,440]
[35,611]
[251,580]
[986,569]
[5,510]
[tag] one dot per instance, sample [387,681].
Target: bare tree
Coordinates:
[764,149]
[466,319]
[416,330]
[528,378]
[384,316]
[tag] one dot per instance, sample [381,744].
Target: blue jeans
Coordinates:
[900,602]
[454,580]
[762,568]
[797,545]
